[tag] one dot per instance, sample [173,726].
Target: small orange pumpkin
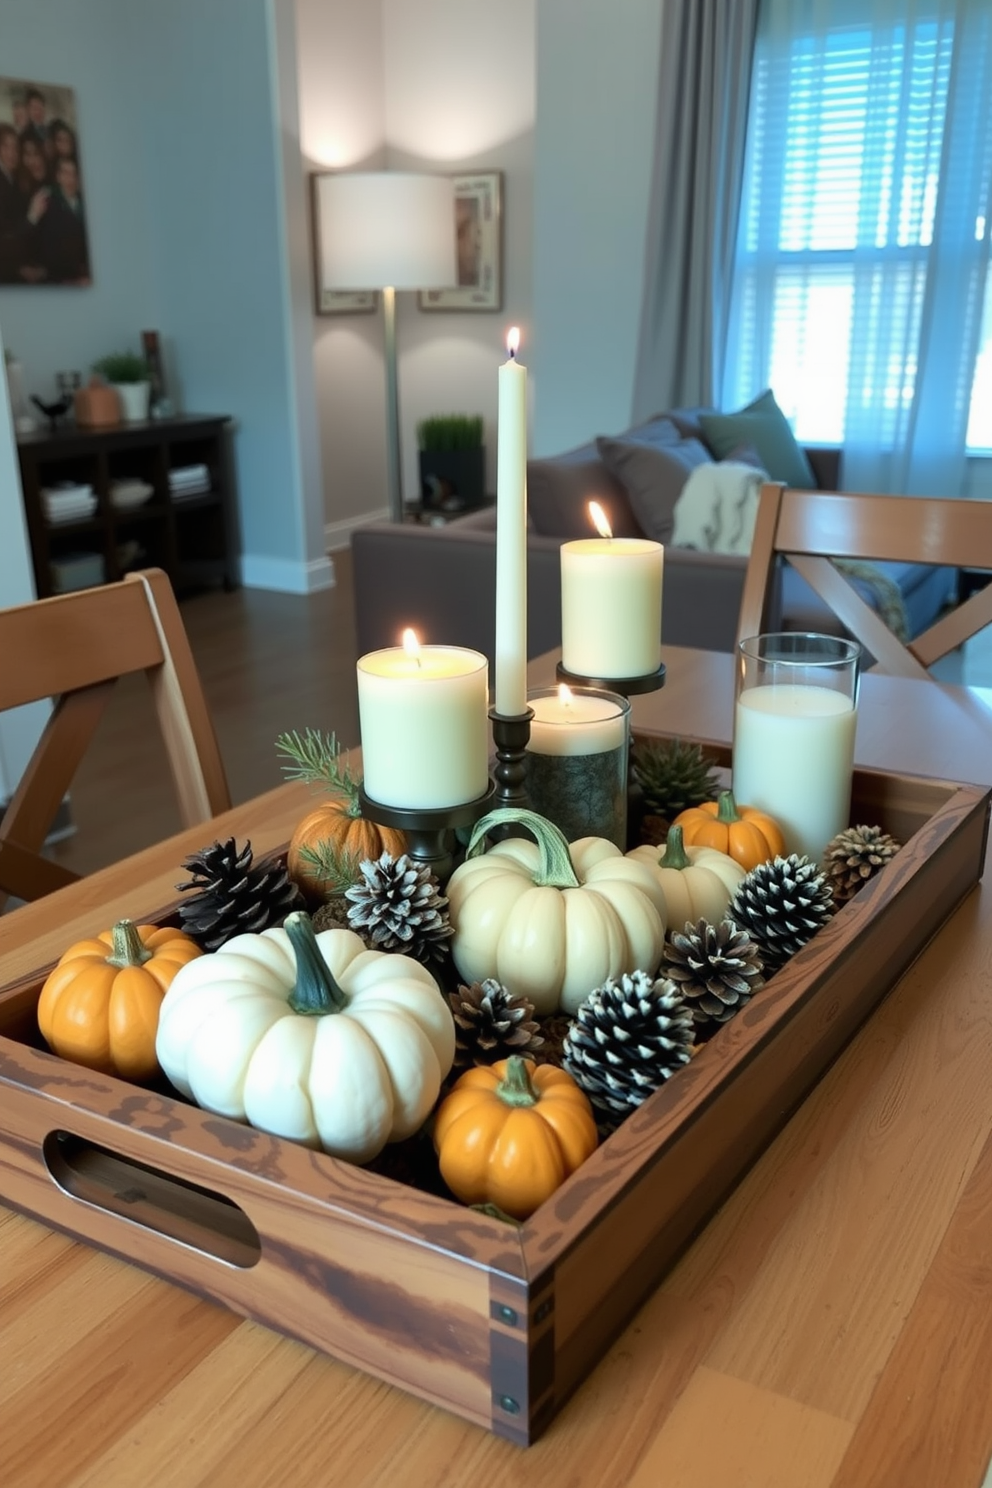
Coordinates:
[510,1133]
[744,833]
[100,1005]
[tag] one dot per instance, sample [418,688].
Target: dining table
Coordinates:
[830,1325]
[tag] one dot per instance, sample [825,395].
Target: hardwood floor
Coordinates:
[269,662]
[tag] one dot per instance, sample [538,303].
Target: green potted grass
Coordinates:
[130,377]
[452,461]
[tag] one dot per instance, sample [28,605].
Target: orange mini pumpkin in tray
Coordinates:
[744,833]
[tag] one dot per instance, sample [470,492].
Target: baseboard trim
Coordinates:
[286,575]
[338,534]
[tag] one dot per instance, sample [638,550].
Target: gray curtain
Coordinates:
[706,52]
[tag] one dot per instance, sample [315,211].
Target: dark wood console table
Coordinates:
[191,535]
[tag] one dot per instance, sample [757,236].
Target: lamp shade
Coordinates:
[386,228]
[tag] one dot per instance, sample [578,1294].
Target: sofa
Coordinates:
[441,580]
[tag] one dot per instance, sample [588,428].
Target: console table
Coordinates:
[191,536]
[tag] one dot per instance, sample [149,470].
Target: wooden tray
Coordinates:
[495,1323]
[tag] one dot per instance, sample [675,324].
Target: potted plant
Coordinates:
[129,376]
[452,461]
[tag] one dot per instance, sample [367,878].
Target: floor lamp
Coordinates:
[387,230]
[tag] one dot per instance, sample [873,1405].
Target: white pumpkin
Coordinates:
[549,919]
[311,1037]
[698,882]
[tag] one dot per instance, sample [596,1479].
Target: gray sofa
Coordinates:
[441,580]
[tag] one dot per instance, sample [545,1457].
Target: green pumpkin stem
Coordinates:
[554,869]
[727,808]
[675,855]
[316,993]
[127,948]
[516,1087]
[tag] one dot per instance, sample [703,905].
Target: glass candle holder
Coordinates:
[794,732]
[577,761]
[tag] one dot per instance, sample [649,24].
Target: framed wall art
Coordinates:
[478,229]
[43,237]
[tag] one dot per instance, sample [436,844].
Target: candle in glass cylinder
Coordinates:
[510,696]
[424,724]
[577,761]
[611,604]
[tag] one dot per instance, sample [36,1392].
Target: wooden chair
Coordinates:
[73,648]
[809,528]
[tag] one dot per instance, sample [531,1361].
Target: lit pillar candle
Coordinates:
[610,604]
[511,536]
[577,761]
[424,724]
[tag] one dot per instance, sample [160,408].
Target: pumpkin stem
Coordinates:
[127,949]
[675,855]
[316,993]
[516,1087]
[727,808]
[555,866]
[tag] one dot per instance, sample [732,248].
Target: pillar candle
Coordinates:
[423,714]
[611,605]
[511,536]
[577,761]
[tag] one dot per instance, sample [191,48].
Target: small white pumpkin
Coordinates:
[311,1037]
[549,919]
[698,882]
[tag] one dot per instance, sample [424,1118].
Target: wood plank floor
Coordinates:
[269,662]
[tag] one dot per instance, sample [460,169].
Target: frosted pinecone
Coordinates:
[717,968]
[627,1039]
[397,906]
[854,856]
[781,905]
[229,894]
[492,1024]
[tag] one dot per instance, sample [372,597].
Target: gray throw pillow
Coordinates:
[763,425]
[653,476]
[559,491]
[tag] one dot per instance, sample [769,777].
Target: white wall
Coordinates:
[597,72]
[443,85]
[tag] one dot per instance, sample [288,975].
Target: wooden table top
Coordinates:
[830,1326]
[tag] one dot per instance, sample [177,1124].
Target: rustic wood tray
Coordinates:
[495,1323]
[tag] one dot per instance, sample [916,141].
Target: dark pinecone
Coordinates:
[672,774]
[396,906]
[781,904]
[228,896]
[332,914]
[627,1039]
[854,856]
[491,1024]
[717,968]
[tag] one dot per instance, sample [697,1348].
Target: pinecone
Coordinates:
[781,904]
[332,914]
[491,1024]
[672,774]
[228,896]
[627,1039]
[854,856]
[717,968]
[396,906]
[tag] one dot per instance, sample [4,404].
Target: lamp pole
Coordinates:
[393,453]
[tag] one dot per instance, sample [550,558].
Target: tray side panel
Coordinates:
[607,1250]
[412,1314]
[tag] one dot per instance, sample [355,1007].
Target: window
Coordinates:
[846,200]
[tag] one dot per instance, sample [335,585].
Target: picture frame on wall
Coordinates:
[329,301]
[43,233]
[478,229]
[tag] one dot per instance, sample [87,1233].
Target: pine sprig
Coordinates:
[315,758]
[336,869]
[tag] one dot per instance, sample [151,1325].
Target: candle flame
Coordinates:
[599,519]
[513,340]
[565,695]
[411,645]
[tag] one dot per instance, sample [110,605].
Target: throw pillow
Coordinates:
[763,425]
[653,476]
[560,489]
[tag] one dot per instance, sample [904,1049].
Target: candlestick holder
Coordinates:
[628,687]
[430,831]
[511,735]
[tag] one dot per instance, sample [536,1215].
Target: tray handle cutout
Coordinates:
[182,1211]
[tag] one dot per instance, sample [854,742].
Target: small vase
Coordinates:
[133,400]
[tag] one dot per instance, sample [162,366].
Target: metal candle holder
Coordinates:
[627,686]
[511,735]
[429,830]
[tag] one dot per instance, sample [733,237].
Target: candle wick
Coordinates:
[513,354]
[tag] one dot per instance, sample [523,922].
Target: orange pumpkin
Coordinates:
[100,1005]
[510,1133]
[336,825]
[744,833]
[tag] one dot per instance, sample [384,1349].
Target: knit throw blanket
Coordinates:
[885,592]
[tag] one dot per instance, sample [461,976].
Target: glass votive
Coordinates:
[794,732]
[577,761]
